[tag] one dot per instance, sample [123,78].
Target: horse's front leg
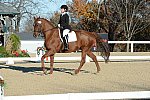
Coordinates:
[42,64]
[48,53]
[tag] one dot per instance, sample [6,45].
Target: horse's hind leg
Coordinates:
[91,55]
[51,64]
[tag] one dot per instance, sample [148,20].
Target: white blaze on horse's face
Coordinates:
[39,22]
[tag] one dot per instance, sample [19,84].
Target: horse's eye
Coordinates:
[35,25]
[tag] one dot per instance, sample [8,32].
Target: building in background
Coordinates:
[8,18]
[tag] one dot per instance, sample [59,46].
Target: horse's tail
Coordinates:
[102,48]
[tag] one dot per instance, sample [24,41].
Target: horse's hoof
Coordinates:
[76,71]
[98,70]
[51,72]
[45,72]
[96,73]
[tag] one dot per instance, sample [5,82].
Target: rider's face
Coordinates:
[62,10]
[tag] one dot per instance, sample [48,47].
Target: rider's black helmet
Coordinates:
[64,7]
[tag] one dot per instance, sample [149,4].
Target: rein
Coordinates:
[47,30]
[44,31]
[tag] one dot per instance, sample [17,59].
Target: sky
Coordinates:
[53,5]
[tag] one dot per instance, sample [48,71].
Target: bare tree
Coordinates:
[26,8]
[28,26]
[130,15]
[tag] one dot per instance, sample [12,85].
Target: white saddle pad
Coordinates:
[71,36]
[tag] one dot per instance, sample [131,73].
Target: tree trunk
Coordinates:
[111,38]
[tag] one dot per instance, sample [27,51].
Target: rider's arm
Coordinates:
[66,22]
[59,21]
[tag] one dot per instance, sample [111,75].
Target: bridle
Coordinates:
[39,24]
[39,27]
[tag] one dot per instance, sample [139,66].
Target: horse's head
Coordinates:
[38,26]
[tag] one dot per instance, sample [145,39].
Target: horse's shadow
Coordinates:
[38,70]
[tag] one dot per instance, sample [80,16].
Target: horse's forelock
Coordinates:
[40,20]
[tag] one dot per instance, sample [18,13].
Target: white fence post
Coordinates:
[131,47]
[1,88]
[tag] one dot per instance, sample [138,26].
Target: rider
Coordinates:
[64,24]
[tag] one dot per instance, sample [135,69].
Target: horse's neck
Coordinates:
[48,24]
[51,34]
[46,30]
[49,31]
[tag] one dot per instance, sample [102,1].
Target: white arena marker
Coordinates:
[10,61]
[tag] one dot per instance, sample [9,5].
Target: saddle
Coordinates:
[67,37]
[71,35]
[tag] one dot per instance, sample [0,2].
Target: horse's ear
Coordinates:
[34,18]
[39,16]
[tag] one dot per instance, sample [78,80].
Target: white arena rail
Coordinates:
[29,45]
[130,42]
[85,96]
[112,58]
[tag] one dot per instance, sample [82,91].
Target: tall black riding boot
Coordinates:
[65,40]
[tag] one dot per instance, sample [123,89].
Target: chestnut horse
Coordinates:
[52,42]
